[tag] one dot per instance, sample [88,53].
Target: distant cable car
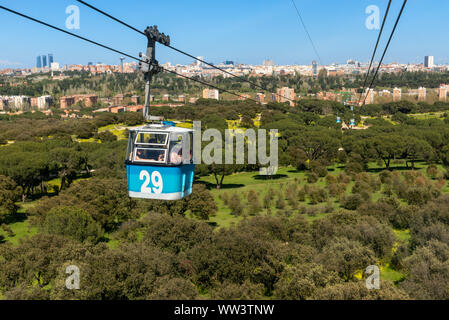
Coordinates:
[352,122]
[159,162]
[169,123]
[338,120]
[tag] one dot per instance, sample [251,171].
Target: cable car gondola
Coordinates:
[159,164]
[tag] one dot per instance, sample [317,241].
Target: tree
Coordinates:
[106,201]
[429,272]
[388,147]
[27,169]
[299,282]
[175,233]
[201,203]
[346,257]
[9,195]
[69,162]
[317,144]
[107,136]
[72,222]
[416,148]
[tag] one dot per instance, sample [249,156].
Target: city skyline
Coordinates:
[244,39]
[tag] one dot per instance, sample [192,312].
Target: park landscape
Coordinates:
[342,200]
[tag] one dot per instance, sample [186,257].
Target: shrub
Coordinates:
[351,202]
[301,194]
[267,199]
[107,136]
[253,203]
[432,171]
[336,189]
[318,195]
[280,202]
[318,168]
[343,178]
[312,177]
[235,204]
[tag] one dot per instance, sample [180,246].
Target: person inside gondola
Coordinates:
[176,153]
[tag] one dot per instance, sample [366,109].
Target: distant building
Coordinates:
[54,66]
[182,98]
[44,61]
[65,102]
[19,103]
[397,94]
[286,95]
[135,99]
[118,99]
[442,92]
[134,108]
[268,63]
[199,63]
[38,62]
[88,100]
[50,59]
[166,97]
[260,97]
[421,94]
[211,94]
[314,68]
[44,102]
[369,94]
[428,62]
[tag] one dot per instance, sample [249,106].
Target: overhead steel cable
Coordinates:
[183,52]
[307,32]
[118,51]
[375,50]
[385,50]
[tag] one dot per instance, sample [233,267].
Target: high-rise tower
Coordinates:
[38,62]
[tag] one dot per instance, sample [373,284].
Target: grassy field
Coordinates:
[246,181]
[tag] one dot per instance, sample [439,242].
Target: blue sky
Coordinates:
[245,31]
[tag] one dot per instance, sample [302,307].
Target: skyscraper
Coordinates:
[38,62]
[50,58]
[44,61]
[428,62]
